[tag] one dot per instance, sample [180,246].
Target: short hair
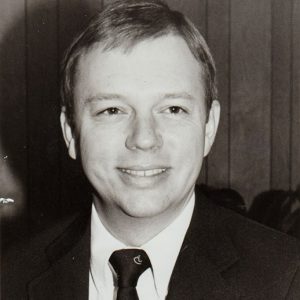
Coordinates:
[124,23]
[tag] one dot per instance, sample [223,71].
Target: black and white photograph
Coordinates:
[150,149]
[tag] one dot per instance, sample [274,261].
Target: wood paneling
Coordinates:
[42,105]
[281,94]
[218,33]
[295,107]
[250,96]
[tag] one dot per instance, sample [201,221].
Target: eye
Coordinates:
[176,110]
[110,111]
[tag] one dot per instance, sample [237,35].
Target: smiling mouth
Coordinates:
[143,173]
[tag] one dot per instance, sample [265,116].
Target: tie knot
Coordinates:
[129,264]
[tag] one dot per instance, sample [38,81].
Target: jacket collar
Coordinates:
[69,256]
[206,254]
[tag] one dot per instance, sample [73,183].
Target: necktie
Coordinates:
[129,264]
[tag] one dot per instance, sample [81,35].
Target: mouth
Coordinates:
[143,173]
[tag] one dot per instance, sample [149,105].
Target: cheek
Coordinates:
[94,147]
[186,145]
[187,136]
[99,139]
[101,150]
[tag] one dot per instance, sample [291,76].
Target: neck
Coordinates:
[136,231]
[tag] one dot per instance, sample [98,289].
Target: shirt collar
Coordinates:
[103,244]
[162,250]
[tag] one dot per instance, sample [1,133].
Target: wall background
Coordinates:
[256,45]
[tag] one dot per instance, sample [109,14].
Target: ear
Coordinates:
[212,126]
[69,137]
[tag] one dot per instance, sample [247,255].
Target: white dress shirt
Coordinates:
[162,250]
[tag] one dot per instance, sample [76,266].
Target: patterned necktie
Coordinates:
[129,264]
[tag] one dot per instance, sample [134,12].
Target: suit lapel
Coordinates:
[206,254]
[68,275]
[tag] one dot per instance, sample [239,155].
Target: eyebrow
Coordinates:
[181,95]
[101,97]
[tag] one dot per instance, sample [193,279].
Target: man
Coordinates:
[140,112]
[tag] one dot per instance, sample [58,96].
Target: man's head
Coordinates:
[123,24]
[138,111]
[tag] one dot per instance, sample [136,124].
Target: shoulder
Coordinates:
[252,237]
[27,259]
[269,260]
[249,237]
[260,262]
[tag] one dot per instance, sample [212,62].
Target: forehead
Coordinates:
[163,64]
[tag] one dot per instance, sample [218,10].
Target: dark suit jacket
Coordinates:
[223,256]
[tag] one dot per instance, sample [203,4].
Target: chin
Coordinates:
[143,209]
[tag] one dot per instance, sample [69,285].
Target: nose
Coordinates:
[144,135]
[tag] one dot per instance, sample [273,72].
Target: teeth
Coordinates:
[145,173]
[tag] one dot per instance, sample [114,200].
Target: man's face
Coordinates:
[141,126]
